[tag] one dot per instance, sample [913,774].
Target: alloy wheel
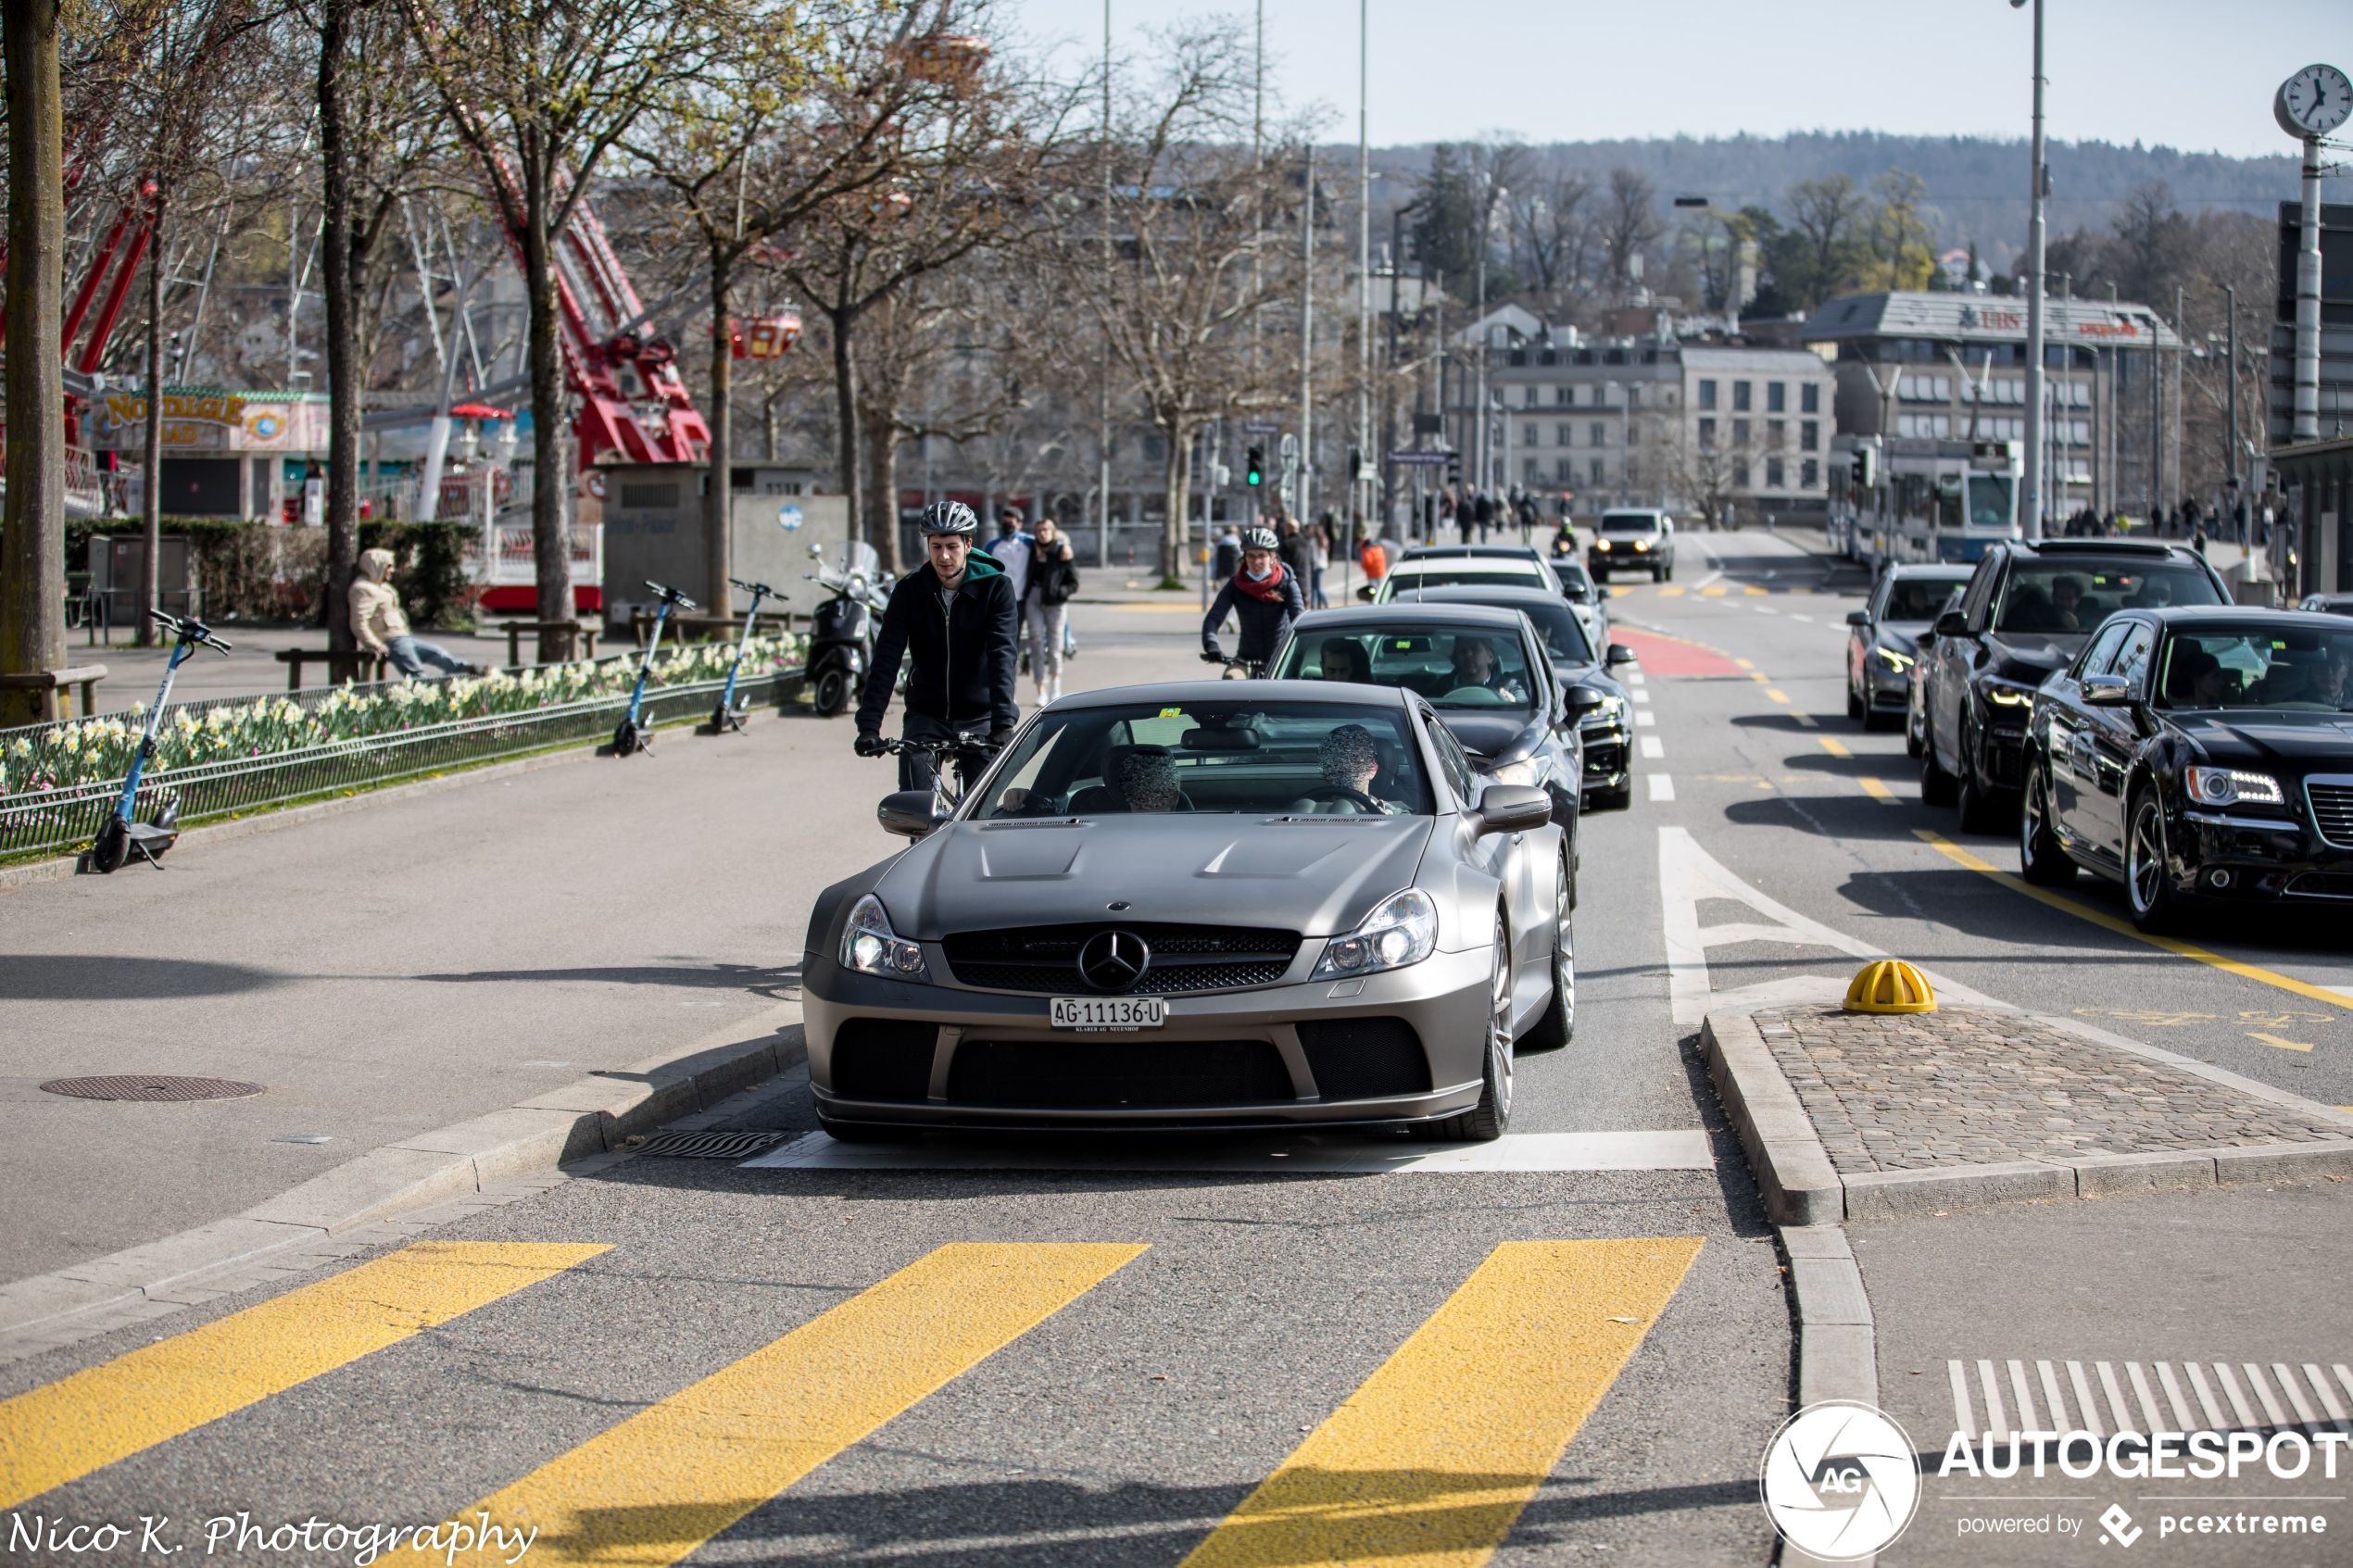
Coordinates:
[1499,1020]
[1564,955]
[2144,859]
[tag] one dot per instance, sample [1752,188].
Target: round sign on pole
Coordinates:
[789,517]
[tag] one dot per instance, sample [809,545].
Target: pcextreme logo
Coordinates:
[1840,1480]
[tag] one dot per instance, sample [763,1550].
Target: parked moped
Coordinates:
[123,835]
[841,639]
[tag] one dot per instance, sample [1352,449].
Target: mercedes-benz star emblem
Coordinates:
[1114,961]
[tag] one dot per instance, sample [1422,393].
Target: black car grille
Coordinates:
[883,1059]
[2332,810]
[1044,958]
[1125,1074]
[2321,884]
[1364,1058]
[1604,762]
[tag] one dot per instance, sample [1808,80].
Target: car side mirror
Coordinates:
[816,552]
[911,813]
[1858,618]
[1619,654]
[1365,594]
[1607,593]
[1952,623]
[2106,691]
[1577,701]
[1512,808]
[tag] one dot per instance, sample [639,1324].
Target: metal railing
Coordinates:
[62,820]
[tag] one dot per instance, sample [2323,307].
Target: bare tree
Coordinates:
[1629,225]
[540,90]
[1552,234]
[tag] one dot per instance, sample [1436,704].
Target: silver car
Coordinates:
[1200,906]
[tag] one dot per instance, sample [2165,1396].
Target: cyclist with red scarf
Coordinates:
[1263,597]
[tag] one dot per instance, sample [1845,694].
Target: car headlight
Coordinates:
[2008,694]
[1899,663]
[1641,544]
[1402,929]
[870,947]
[1610,714]
[2227,786]
[1601,544]
[1521,772]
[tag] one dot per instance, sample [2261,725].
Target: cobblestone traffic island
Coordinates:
[1915,1091]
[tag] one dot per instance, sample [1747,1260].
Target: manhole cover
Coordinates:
[151,1089]
[707,1146]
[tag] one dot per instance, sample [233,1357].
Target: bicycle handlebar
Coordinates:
[894,746]
[188,630]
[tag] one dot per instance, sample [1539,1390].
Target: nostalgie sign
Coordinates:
[196,420]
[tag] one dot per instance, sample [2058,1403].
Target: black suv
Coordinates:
[2026,613]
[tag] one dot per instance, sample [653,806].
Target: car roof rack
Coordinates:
[2149,547]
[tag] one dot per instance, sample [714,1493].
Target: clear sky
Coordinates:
[2193,74]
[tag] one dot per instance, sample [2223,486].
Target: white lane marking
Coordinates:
[1680,1150]
[1633,677]
[1765,610]
[1640,696]
[1687,874]
[1793,615]
[1644,716]
[1662,786]
[1652,748]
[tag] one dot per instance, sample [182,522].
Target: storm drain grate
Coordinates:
[707,1146]
[151,1089]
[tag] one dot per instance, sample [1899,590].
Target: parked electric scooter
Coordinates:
[841,640]
[630,734]
[726,716]
[123,835]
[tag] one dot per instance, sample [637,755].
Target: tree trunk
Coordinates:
[1177,432]
[341,288]
[33,567]
[151,456]
[550,540]
[846,420]
[717,523]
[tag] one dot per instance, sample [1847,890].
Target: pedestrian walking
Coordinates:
[1483,510]
[1010,550]
[1323,559]
[1226,560]
[1052,577]
[1297,552]
[381,628]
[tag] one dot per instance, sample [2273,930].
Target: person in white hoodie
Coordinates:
[376,621]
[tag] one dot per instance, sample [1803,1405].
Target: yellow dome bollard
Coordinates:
[1890,985]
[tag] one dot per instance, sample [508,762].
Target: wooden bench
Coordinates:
[705,628]
[86,676]
[344,665]
[573,633]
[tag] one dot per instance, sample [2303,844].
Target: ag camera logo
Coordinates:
[1840,1481]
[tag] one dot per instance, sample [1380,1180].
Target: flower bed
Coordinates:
[70,755]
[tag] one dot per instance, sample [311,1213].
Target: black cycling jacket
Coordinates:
[1263,623]
[964,651]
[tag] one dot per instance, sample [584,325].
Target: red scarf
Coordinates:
[1269,587]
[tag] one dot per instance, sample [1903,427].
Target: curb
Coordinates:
[588,1117]
[1800,1186]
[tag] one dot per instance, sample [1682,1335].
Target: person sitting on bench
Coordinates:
[376,621]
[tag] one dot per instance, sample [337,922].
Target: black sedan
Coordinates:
[1880,648]
[2199,757]
[2028,611]
[1484,672]
[1608,731]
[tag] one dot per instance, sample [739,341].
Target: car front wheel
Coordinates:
[2148,884]
[1485,1121]
[1558,1024]
[2040,859]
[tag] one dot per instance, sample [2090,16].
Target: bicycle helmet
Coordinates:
[1261,539]
[950,517]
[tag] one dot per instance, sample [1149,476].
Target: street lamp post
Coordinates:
[2031,508]
[2231,358]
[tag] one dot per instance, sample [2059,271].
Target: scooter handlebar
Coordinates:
[672,595]
[188,630]
[760,588]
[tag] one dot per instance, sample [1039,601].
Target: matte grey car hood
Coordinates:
[1317,876]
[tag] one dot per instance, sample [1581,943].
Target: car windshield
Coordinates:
[1231,754]
[1917,598]
[2243,665]
[1449,577]
[1628,522]
[1555,623]
[1453,669]
[2064,596]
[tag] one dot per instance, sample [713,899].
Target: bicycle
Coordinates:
[1236,668]
[955,752]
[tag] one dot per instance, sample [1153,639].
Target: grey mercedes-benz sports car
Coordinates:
[1206,905]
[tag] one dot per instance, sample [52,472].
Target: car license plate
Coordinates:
[1117,1015]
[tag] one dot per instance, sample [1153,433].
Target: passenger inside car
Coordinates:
[1342,659]
[2198,680]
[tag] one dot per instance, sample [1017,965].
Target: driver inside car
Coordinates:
[1348,760]
[1148,780]
[1475,665]
[1342,659]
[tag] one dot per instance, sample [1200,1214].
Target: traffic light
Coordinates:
[1865,467]
[1454,470]
[1254,468]
[1355,463]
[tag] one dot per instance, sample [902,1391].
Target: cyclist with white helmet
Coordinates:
[1263,597]
[956,619]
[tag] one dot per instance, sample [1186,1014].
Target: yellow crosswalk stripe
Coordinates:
[1962,856]
[67,1429]
[1835,746]
[1712,593]
[1879,792]
[1753,589]
[658,1486]
[1429,1463]
[1670,592]
[1776,696]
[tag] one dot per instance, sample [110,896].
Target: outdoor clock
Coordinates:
[2313,102]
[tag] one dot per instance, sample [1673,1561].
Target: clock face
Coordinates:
[2313,102]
